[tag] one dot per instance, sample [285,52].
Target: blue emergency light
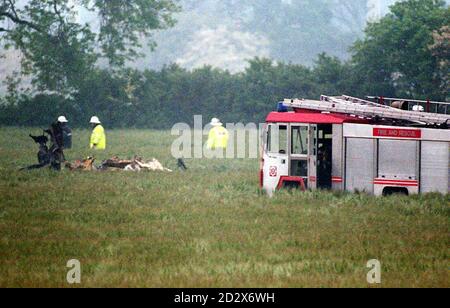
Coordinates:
[281,107]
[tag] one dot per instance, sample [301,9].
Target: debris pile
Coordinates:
[85,165]
[137,164]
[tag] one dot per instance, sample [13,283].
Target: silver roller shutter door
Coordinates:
[435,167]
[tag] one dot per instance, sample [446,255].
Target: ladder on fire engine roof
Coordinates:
[366,109]
[428,105]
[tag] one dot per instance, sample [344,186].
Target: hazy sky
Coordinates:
[205,36]
[221,33]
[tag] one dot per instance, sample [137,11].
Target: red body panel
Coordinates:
[296,179]
[299,116]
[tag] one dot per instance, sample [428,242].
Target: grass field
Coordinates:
[208,227]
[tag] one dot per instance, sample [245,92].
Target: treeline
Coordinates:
[158,99]
[405,54]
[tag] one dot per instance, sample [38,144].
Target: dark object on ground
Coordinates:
[181,165]
[39,139]
[52,156]
[116,162]
[43,155]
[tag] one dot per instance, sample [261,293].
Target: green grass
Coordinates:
[208,227]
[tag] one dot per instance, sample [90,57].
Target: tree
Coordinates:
[59,49]
[441,50]
[332,76]
[397,56]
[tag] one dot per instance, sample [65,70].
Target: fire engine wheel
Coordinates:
[390,191]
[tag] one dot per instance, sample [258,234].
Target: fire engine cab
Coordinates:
[348,144]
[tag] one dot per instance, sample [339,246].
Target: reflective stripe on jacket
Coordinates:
[98,138]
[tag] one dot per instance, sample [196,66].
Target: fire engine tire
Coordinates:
[389,191]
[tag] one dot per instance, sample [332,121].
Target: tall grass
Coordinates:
[207,227]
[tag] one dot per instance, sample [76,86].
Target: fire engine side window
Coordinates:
[269,139]
[283,140]
[277,139]
[299,140]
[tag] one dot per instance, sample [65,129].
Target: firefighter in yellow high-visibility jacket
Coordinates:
[218,136]
[98,137]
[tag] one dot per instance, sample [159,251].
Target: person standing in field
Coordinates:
[218,136]
[98,137]
[66,132]
[56,150]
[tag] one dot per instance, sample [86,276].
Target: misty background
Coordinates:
[227,33]
[227,58]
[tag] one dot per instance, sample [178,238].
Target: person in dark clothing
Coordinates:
[61,138]
[324,167]
[57,145]
[56,134]
[67,132]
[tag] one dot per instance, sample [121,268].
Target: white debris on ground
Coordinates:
[153,165]
[135,165]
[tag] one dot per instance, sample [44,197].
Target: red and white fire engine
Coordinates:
[349,144]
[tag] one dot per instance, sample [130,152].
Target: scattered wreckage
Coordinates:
[137,164]
[53,156]
[84,165]
[116,164]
